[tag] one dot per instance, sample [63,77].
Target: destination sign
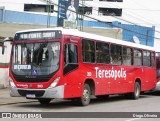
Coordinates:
[38,35]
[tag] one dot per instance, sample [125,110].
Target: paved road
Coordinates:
[147,103]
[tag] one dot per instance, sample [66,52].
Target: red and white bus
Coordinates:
[69,64]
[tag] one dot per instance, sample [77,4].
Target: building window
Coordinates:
[38,8]
[110,11]
[85,0]
[112,0]
[85,10]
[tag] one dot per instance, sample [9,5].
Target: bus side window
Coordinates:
[71,54]
[137,57]
[116,54]
[152,59]
[102,53]
[146,58]
[88,51]
[127,56]
[70,58]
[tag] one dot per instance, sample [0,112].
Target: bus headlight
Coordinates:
[11,82]
[54,83]
[158,83]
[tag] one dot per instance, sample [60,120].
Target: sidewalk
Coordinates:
[5,98]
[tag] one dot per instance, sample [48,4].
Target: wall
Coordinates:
[39,19]
[1,15]
[18,5]
[28,18]
[4,64]
[134,33]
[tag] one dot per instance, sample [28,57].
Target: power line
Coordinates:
[119,26]
[139,17]
[148,10]
[128,13]
[123,19]
[110,24]
[106,22]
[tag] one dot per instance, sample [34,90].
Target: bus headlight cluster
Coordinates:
[54,83]
[11,82]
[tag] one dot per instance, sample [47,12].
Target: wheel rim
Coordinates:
[137,92]
[86,95]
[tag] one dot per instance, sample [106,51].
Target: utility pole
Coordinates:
[147,36]
[82,16]
[49,13]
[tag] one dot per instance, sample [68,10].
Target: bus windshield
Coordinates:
[35,58]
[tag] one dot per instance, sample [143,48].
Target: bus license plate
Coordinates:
[30,95]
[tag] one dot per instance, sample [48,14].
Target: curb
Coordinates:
[2,86]
[12,103]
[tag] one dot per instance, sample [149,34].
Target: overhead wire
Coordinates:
[146,9]
[130,13]
[124,28]
[111,24]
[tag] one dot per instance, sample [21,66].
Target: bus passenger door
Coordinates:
[71,65]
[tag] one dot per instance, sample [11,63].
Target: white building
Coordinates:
[37,6]
[139,12]
[143,12]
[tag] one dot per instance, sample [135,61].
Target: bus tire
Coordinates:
[44,101]
[136,93]
[84,100]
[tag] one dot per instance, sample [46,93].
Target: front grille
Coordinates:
[38,93]
[38,78]
[32,80]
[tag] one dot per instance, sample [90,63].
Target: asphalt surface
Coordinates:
[148,102]
[6,99]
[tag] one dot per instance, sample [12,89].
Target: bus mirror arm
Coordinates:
[5,40]
[2,48]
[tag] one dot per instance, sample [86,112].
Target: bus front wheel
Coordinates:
[44,101]
[86,94]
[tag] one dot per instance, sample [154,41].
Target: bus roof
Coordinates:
[75,32]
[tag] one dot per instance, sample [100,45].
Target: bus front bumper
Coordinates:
[157,88]
[56,92]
